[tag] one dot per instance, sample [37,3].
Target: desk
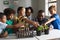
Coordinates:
[52,35]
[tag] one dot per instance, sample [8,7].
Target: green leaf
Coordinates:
[40,28]
[46,27]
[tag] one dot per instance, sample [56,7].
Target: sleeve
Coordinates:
[3,25]
[55,16]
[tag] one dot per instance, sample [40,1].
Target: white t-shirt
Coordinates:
[2,26]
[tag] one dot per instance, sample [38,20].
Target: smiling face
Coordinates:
[10,16]
[52,11]
[3,19]
[22,12]
[28,12]
[41,15]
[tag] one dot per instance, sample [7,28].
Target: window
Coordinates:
[48,4]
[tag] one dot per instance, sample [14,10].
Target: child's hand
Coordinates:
[36,24]
[44,24]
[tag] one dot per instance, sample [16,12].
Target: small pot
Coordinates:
[46,31]
[38,33]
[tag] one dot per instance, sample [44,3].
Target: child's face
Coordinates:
[11,16]
[42,15]
[3,19]
[52,11]
[22,12]
[28,12]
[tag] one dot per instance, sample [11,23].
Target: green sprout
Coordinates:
[46,27]
[40,28]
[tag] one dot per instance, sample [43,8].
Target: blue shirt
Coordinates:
[56,22]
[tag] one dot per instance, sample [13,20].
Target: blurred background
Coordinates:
[35,4]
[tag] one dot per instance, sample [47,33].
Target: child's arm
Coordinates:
[49,21]
[31,22]
[15,26]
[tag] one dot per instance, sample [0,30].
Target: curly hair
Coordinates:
[30,9]
[8,11]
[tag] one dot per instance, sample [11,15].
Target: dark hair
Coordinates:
[1,15]
[8,11]
[30,9]
[52,7]
[19,8]
[40,11]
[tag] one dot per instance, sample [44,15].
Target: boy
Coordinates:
[3,25]
[29,12]
[10,16]
[54,20]
[41,18]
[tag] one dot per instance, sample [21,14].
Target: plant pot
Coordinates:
[38,33]
[46,31]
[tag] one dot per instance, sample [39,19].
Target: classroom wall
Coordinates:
[41,4]
[27,3]
[24,3]
[2,6]
[35,7]
[36,4]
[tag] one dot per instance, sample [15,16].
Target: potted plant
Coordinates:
[39,30]
[46,29]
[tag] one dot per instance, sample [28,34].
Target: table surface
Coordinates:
[53,34]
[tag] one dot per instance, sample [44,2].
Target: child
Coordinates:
[55,19]
[3,25]
[10,15]
[41,18]
[29,12]
[21,15]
